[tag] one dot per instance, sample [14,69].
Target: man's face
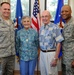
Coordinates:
[46,17]
[66,12]
[5,10]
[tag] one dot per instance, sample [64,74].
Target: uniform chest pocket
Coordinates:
[4,28]
[4,31]
[68,31]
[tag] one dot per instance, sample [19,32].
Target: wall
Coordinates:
[71,3]
[4,1]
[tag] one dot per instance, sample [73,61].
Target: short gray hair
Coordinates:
[25,17]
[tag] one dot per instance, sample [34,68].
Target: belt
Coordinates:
[48,50]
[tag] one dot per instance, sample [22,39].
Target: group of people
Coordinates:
[31,46]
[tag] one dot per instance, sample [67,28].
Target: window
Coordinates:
[51,5]
[25,7]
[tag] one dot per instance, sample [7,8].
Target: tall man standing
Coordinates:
[49,39]
[7,46]
[68,43]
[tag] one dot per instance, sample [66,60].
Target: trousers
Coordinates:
[7,65]
[45,63]
[27,67]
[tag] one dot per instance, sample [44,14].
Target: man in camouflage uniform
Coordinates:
[68,43]
[7,46]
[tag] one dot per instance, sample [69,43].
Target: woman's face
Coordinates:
[26,23]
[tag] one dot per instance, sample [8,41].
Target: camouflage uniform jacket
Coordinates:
[68,43]
[7,41]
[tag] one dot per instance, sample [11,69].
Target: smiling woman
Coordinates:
[27,47]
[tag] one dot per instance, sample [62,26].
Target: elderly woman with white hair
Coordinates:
[27,47]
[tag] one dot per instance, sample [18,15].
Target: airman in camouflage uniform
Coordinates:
[7,46]
[68,43]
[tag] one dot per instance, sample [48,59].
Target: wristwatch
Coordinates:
[55,59]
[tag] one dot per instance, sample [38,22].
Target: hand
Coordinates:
[72,64]
[54,63]
[17,58]
[38,58]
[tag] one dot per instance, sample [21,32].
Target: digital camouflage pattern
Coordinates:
[68,48]
[7,41]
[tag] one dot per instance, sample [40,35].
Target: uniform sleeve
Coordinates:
[73,40]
